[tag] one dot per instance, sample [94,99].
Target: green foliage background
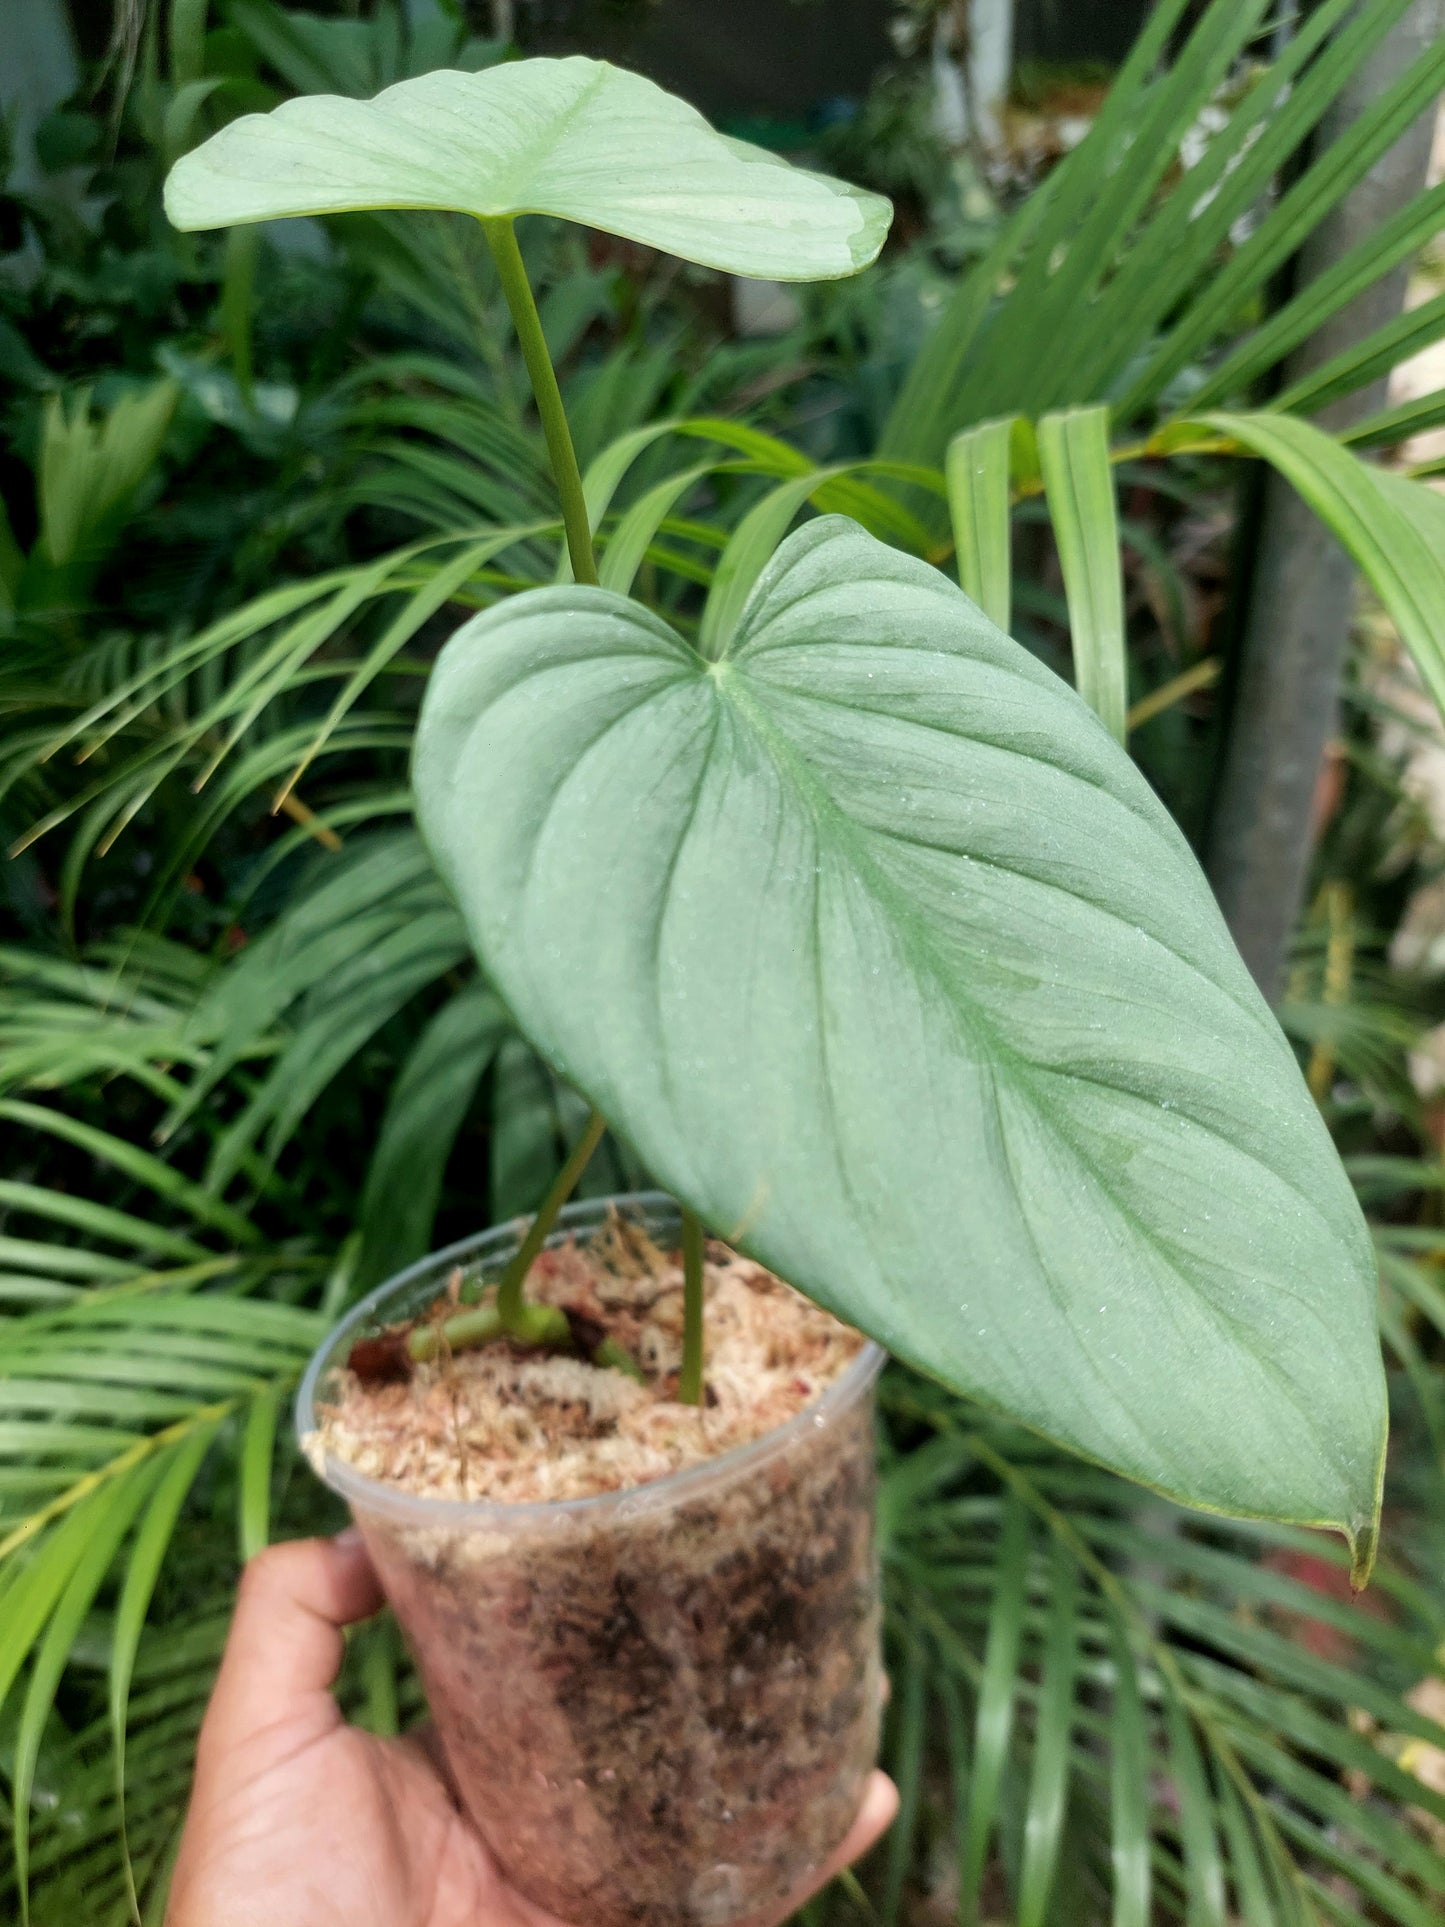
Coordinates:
[246,1064]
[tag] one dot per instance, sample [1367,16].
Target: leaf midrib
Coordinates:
[732,686]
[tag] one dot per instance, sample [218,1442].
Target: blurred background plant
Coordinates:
[247,1066]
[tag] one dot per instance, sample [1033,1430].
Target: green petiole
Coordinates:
[509,1291]
[510,1314]
[502,240]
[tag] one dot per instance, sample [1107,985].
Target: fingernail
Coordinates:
[348,1539]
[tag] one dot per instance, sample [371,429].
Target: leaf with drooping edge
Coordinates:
[977,466]
[575,138]
[1079,483]
[890,964]
[1392,526]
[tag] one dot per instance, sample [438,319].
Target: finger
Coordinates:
[875,1816]
[285,1646]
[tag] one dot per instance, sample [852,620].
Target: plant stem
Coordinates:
[502,240]
[689,1381]
[474,1326]
[511,1313]
[479,1324]
[510,1309]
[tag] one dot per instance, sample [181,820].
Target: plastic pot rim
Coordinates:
[376,1496]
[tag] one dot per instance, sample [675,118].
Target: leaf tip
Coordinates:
[873,217]
[1363,1537]
[174,199]
[1363,1547]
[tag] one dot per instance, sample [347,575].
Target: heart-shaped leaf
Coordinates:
[888,961]
[576,138]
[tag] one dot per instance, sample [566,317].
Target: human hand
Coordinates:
[299,1820]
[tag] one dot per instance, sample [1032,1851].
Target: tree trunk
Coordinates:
[1297,626]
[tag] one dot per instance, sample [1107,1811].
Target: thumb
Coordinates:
[285,1645]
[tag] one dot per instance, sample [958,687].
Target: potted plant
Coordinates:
[863,930]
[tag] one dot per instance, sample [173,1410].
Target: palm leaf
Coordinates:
[109,1405]
[1111,282]
[978,468]
[1167,1672]
[431,1096]
[1394,528]
[1074,459]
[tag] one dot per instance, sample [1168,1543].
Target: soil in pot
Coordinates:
[651,1652]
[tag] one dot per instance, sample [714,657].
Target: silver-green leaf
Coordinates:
[888,962]
[576,138]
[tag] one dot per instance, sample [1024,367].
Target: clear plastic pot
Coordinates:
[659,1706]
